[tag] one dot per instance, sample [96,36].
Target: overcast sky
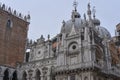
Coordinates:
[47,15]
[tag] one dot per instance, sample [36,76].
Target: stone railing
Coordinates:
[74,66]
[97,65]
[114,71]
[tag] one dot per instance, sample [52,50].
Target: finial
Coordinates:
[0,5]
[15,12]
[89,11]
[3,6]
[48,37]
[85,16]
[63,27]
[41,37]
[9,9]
[75,4]
[63,22]
[28,17]
[73,16]
[94,11]
[20,15]
[25,18]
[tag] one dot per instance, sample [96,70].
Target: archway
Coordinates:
[38,75]
[6,75]
[24,76]
[86,78]
[14,76]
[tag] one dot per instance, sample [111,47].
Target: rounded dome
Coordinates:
[103,32]
[68,25]
[96,22]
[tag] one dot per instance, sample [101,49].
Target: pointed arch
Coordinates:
[72,77]
[6,75]
[37,76]
[9,23]
[24,77]
[86,78]
[15,76]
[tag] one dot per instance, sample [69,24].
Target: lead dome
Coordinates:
[103,32]
[68,25]
[80,23]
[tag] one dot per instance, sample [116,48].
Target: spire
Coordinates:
[63,27]
[85,16]
[75,4]
[75,14]
[94,11]
[48,37]
[89,11]
[63,22]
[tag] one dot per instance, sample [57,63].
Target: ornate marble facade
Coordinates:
[81,51]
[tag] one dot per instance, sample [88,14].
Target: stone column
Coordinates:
[91,77]
[56,78]
[86,34]
[77,77]
[42,77]
[33,76]
[48,77]
[89,40]
[49,49]
[68,77]
[80,46]
[27,77]
[1,77]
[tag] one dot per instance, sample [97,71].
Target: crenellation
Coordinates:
[13,32]
[14,12]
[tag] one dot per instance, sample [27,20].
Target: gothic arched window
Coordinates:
[14,76]
[86,78]
[9,23]
[27,56]
[38,75]
[6,75]
[24,76]
[72,77]
[8,30]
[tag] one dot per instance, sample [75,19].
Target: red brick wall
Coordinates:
[114,53]
[12,40]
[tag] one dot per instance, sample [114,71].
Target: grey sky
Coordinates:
[47,15]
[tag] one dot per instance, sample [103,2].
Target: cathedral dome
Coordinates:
[67,27]
[103,32]
[75,20]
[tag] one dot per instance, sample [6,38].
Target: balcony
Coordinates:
[84,65]
[115,71]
